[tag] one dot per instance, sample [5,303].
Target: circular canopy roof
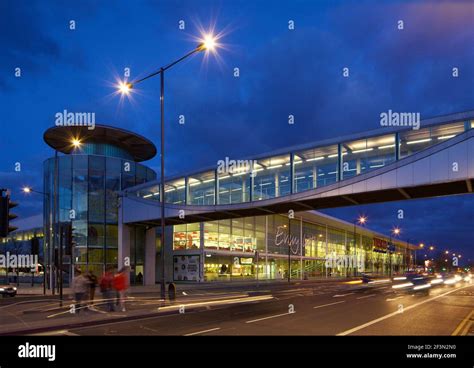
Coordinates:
[60,138]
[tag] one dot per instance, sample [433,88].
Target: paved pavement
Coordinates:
[304,308]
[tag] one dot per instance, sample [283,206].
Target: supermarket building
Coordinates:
[246,225]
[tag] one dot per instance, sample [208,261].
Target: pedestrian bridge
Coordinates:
[383,165]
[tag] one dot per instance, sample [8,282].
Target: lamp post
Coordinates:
[208,44]
[361,220]
[28,190]
[396,232]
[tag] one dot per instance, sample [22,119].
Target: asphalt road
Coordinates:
[324,309]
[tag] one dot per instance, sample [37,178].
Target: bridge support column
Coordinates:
[150,257]
[123,245]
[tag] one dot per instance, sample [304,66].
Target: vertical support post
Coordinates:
[397,146]
[150,257]
[266,247]
[216,187]
[302,244]
[202,259]
[292,173]
[339,162]
[162,183]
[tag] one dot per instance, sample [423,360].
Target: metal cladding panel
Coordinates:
[440,167]
[347,189]
[458,160]
[405,176]
[389,179]
[374,183]
[421,171]
[135,211]
[360,186]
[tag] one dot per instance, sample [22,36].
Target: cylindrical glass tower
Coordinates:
[81,201]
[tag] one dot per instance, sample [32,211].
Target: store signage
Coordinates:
[246,261]
[380,243]
[282,238]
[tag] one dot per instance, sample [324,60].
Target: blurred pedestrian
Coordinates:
[80,288]
[107,290]
[92,278]
[121,286]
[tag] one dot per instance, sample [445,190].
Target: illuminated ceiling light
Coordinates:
[385,147]
[420,141]
[315,159]
[363,150]
[446,137]
[274,166]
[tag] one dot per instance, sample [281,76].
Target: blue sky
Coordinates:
[282,72]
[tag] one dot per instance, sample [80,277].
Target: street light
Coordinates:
[28,190]
[76,142]
[395,232]
[208,44]
[361,220]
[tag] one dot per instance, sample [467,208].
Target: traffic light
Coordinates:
[5,215]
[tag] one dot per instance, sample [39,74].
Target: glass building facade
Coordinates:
[88,183]
[301,170]
[274,247]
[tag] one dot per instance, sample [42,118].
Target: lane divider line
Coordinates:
[370,323]
[278,315]
[464,326]
[366,296]
[327,305]
[202,332]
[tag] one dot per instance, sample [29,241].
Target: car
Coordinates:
[7,290]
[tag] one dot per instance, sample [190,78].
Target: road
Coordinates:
[323,309]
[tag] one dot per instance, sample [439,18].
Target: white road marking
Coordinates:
[202,332]
[54,333]
[352,330]
[392,299]
[341,295]
[327,305]
[261,319]
[366,296]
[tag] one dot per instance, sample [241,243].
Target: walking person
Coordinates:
[107,290]
[120,286]
[80,289]
[92,278]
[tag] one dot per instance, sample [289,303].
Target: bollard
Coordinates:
[172,291]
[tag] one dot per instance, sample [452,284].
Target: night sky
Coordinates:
[282,72]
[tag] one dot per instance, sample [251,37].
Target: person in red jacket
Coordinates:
[106,287]
[121,286]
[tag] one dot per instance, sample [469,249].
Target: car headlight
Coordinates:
[2,289]
[14,288]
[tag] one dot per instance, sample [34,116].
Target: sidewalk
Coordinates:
[45,315]
[185,287]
